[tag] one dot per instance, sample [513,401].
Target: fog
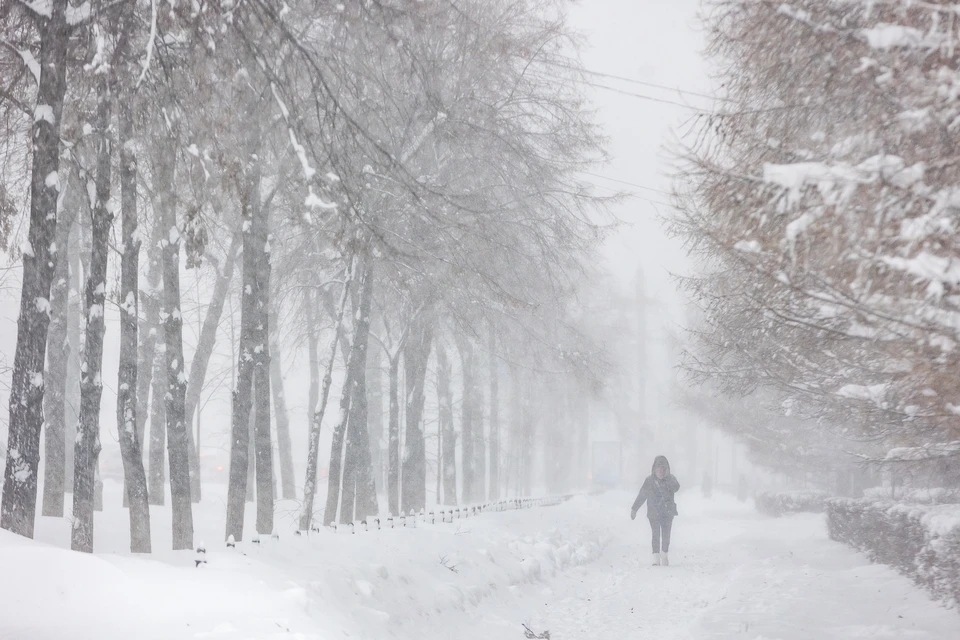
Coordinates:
[491,319]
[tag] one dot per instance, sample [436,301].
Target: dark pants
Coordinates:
[661,531]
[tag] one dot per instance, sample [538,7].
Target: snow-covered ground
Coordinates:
[579,570]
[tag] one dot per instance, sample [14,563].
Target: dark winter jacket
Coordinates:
[658,494]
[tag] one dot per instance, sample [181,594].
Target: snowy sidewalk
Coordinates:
[734,573]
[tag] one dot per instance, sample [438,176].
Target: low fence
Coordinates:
[442,515]
[919,541]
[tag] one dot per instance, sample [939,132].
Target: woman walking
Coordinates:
[658,492]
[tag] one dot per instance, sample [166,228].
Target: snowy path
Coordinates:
[735,574]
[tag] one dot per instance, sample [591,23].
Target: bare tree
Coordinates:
[18,509]
[176,383]
[135,478]
[416,354]
[87,448]
[448,436]
[318,410]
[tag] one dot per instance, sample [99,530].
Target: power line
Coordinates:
[629,184]
[645,97]
[642,83]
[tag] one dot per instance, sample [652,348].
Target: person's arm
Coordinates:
[672,483]
[641,498]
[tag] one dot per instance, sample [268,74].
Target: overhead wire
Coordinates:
[642,83]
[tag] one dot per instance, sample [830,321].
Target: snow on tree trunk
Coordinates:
[393,455]
[87,448]
[318,410]
[416,353]
[242,396]
[58,360]
[494,489]
[358,469]
[175,396]
[448,438]
[134,476]
[157,476]
[253,357]
[19,503]
[201,357]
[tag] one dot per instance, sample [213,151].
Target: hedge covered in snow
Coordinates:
[778,503]
[920,541]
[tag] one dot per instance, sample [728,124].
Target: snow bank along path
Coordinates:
[579,570]
[376,584]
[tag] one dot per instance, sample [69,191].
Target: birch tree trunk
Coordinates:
[135,478]
[480,441]
[75,338]
[58,360]
[448,437]
[393,456]
[318,410]
[494,489]
[263,440]
[177,431]
[19,502]
[336,468]
[250,494]
[375,413]
[313,397]
[416,353]
[242,396]
[263,450]
[348,475]
[146,356]
[468,427]
[335,472]
[201,357]
[157,478]
[516,425]
[288,489]
[87,448]
[525,447]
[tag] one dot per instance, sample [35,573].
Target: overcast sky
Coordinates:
[653,41]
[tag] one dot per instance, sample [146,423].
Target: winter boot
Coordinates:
[664,560]
[656,559]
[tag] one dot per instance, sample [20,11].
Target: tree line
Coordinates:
[820,203]
[392,186]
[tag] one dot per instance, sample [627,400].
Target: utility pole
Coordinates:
[641,350]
